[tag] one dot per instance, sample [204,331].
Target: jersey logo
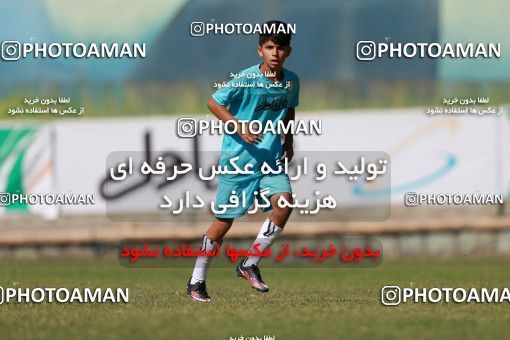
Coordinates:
[273,104]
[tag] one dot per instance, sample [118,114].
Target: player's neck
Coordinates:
[277,72]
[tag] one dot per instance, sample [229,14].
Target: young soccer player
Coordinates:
[268,92]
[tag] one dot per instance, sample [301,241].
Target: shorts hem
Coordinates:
[230,215]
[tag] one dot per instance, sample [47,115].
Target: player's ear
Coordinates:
[289,49]
[259,50]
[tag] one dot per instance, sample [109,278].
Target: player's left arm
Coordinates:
[288,144]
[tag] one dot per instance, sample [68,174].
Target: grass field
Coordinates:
[302,304]
[123,99]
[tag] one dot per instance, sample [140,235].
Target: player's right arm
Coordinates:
[222,113]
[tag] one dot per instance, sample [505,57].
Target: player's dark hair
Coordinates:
[282,39]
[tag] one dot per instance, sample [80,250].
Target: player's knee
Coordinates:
[224,223]
[219,228]
[284,210]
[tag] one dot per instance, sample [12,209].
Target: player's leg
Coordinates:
[220,226]
[272,227]
[210,241]
[280,215]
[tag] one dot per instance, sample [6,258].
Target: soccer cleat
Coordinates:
[198,291]
[252,274]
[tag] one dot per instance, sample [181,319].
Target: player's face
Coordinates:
[273,54]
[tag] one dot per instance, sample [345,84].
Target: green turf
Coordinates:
[302,303]
[116,99]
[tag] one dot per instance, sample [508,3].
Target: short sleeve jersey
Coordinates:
[252,96]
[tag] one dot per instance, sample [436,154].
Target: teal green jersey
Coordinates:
[250,96]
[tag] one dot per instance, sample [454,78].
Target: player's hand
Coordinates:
[288,149]
[248,137]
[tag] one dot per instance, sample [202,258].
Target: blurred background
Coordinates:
[132,105]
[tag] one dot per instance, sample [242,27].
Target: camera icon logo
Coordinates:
[411,199]
[5,199]
[390,295]
[365,50]
[186,127]
[197,29]
[11,50]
